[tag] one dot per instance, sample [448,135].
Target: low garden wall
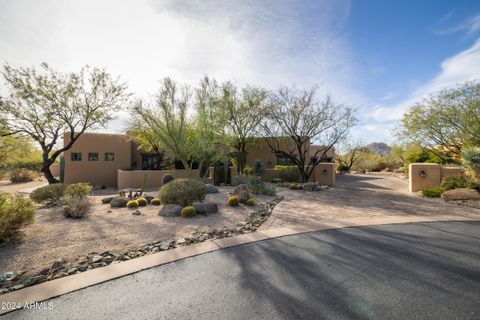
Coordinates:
[324,174]
[423,175]
[134,178]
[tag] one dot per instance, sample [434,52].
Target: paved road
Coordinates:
[410,271]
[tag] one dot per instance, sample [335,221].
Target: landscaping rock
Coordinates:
[205,207]
[137,212]
[170,210]
[181,241]
[242,192]
[309,186]
[119,202]
[212,189]
[97,258]
[58,264]
[107,200]
[461,194]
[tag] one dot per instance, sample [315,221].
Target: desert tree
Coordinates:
[245,110]
[446,122]
[210,122]
[352,153]
[167,119]
[44,105]
[146,138]
[295,119]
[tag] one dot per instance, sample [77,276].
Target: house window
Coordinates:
[283,161]
[151,161]
[109,156]
[93,156]
[76,156]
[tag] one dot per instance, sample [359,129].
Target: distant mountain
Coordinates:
[380,148]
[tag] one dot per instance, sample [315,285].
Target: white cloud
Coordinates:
[469,25]
[464,66]
[269,43]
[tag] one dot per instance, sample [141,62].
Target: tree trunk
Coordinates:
[48,175]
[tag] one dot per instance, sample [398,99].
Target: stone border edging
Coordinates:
[54,288]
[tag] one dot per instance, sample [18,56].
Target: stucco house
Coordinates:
[113,160]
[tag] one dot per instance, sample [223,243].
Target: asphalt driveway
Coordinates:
[405,271]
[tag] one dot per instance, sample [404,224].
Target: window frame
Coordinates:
[93,153]
[72,155]
[109,153]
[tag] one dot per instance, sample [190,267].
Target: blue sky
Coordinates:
[380,55]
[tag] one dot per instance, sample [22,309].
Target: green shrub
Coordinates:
[295,186]
[262,188]
[233,201]
[343,168]
[454,182]
[188,212]
[75,206]
[15,213]
[142,202]
[155,202]
[21,176]
[247,170]
[255,184]
[166,179]
[50,194]
[432,192]
[132,204]
[250,202]
[79,190]
[258,167]
[183,192]
[288,173]
[474,185]
[471,158]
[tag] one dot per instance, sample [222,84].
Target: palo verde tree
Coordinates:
[146,138]
[445,123]
[166,119]
[190,137]
[209,124]
[44,105]
[295,120]
[245,111]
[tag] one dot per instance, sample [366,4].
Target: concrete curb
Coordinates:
[54,288]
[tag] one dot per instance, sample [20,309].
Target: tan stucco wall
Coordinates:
[325,174]
[328,178]
[434,175]
[452,171]
[259,150]
[55,169]
[134,179]
[99,172]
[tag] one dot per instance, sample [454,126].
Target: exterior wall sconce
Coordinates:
[324,172]
[423,174]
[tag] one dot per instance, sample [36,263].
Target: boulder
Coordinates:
[461,194]
[309,186]
[242,192]
[119,202]
[211,189]
[170,210]
[107,200]
[205,207]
